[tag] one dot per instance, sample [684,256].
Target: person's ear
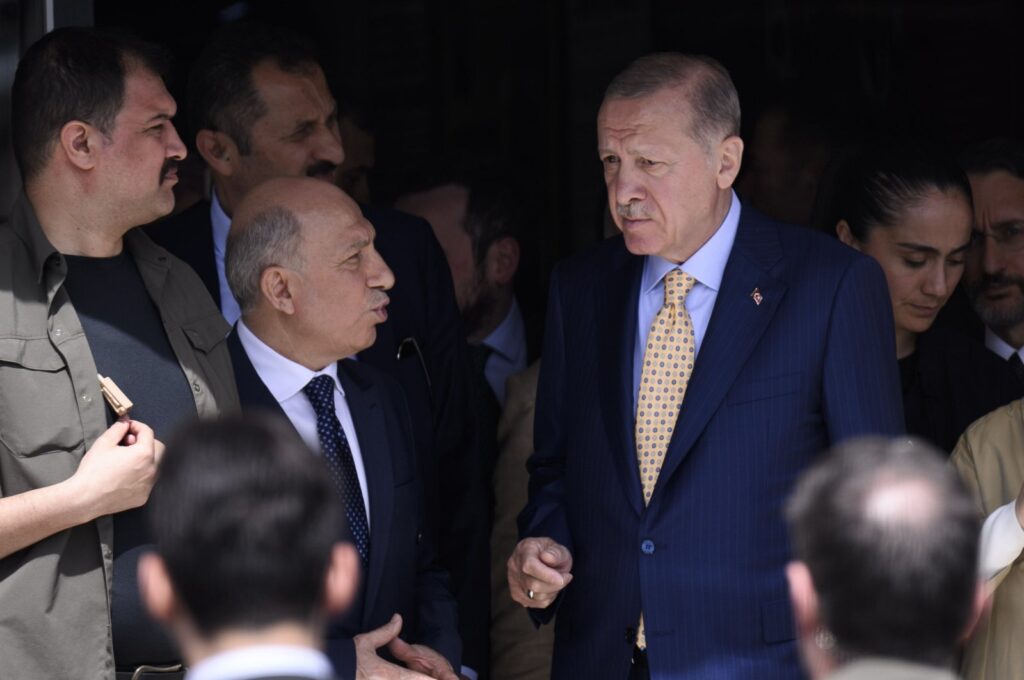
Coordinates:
[342,578]
[277,286]
[730,156]
[979,610]
[846,235]
[804,599]
[156,589]
[502,261]
[80,142]
[219,151]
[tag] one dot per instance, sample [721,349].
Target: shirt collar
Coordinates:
[707,265]
[220,222]
[263,661]
[509,338]
[25,224]
[282,376]
[998,345]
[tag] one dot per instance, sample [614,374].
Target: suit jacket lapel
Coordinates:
[617,337]
[371,430]
[737,323]
[252,392]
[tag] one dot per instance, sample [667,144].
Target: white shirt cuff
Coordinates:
[469,673]
[1002,540]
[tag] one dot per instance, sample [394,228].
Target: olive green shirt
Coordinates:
[55,595]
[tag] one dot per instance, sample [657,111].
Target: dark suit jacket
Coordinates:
[433,370]
[402,575]
[950,381]
[773,385]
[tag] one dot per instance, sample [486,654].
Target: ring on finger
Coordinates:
[529,594]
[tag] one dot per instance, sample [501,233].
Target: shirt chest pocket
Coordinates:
[38,409]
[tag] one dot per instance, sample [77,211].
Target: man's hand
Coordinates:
[540,567]
[113,477]
[423,659]
[369,666]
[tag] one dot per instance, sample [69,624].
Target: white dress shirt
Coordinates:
[263,661]
[1002,540]
[221,224]
[508,351]
[707,265]
[1001,347]
[285,380]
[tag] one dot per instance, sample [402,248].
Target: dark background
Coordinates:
[520,81]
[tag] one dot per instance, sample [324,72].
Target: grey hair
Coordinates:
[268,238]
[710,91]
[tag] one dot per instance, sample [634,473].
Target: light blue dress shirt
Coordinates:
[263,661]
[707,265]
[508,351]
[221,224]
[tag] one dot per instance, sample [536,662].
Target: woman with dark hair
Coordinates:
[909,207]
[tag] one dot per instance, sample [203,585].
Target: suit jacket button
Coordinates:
[647,547]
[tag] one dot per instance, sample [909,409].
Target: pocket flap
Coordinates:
[206,332]
[37,354]
[764,389]
[777,621]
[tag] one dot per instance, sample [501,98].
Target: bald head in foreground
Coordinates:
[302,264]
[312,289]
[884,579]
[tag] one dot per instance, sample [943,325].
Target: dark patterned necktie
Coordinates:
[338,457]
[1017,366]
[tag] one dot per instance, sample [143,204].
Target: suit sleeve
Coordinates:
[342,652]
[862,394]
[545,513]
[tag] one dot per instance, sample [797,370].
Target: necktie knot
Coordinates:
[678,285]
[320,391]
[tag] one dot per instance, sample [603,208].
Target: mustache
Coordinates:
[631,211]
[321,168]
[170,165]
[997,280]
[378,300]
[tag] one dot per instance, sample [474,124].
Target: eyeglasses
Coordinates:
[1007,235]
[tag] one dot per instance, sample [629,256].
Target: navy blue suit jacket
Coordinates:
[433,370]
[773,385]
[402,575]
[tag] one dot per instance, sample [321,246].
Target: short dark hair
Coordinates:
[497,205]
[221,93]
[992,155]
[896,582]
[711,93]
[883,178]
[492,213]
[245,517]
[72,73]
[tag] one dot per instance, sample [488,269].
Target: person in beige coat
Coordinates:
[519,651]
[990,459]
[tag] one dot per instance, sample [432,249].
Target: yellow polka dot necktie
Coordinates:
[668,362]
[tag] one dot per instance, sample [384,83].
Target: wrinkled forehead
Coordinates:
[334,225]
[666,110]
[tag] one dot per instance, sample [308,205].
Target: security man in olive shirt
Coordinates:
[82,294]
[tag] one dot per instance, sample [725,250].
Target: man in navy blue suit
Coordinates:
[312,290]
[260,107]
[692,368]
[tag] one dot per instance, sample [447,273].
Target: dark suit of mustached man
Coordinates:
[312,289]
[692,368]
